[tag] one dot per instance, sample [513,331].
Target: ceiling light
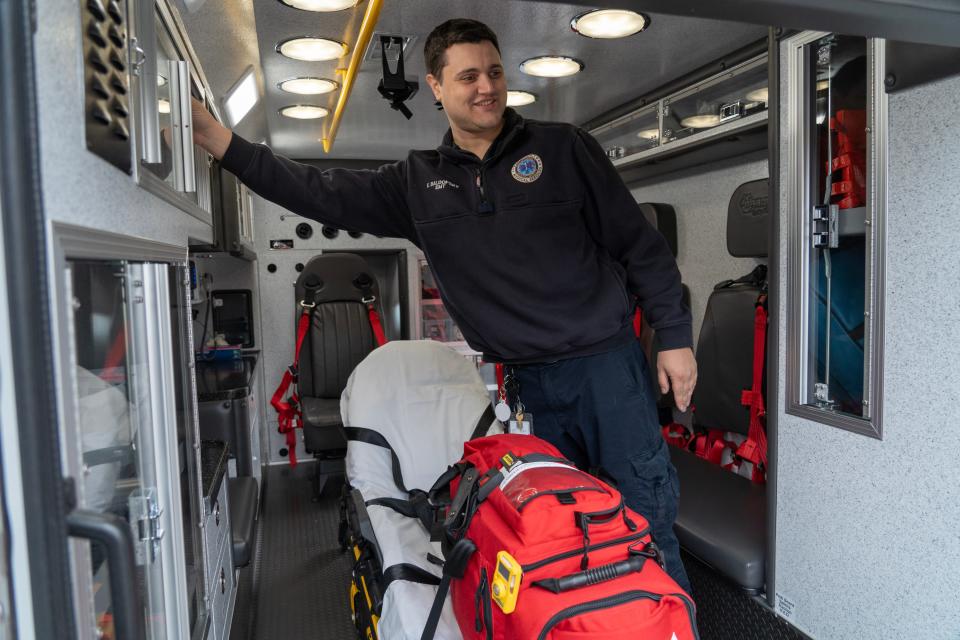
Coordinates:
[241,98]
[312,49]
[304,112]
[308,86]
[609,23]
[702,121]
[320,5]
[759,95]
[520,98]
[163,106]
[551,66]
[649,134]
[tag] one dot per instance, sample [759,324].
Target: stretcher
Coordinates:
[407,410]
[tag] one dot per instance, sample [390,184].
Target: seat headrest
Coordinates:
[664,219]
[748,220]
[336,277]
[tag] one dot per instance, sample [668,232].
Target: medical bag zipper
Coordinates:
[539,564]
[615,601]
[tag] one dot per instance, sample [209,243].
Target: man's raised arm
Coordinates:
[354,200]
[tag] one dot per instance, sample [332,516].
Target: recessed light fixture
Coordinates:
[520,98]
[312,49]
[304,112]
[241,98]
[551,66]
[704,121]
[309,86]
[649,134]
[163,106]
[759,95]
[609,23]
[320,5]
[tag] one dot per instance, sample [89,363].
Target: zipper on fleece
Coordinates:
[615,601]
[486,207]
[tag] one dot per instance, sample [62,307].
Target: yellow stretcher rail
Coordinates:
[356,57]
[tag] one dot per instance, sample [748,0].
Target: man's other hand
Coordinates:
[207,132]
[677,369]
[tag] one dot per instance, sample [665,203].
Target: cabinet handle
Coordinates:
[114,534]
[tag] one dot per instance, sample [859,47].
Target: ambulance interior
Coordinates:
[804,175]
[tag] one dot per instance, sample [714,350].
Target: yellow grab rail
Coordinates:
[363,39]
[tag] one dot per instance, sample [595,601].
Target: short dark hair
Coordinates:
[451,32]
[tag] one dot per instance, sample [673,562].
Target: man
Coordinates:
[540,254]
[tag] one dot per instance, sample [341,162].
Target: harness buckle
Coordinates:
[368,300]
[307,305]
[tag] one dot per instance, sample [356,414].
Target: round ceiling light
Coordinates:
[650,135]
[609,23]
[702,121]
[321,5]
[551,66]
[304,112]
[312,49]
[758,95]
[163,106]
[308,86]
[520,98]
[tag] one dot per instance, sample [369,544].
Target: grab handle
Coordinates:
[114,534]
[600,574]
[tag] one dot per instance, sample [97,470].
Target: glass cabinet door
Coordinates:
[837,184]
[121,372]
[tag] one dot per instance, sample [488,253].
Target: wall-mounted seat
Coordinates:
[339,337]
[722,515]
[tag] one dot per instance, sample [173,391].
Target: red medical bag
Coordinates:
[557,548]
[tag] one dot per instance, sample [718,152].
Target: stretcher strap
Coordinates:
[408,573]
[486,419]
[754,448]
[369,436]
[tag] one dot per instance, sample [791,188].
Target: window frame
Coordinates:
[798,179]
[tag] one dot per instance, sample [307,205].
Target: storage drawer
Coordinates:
[216,530]
[223,593]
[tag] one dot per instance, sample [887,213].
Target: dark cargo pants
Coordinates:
[600,411]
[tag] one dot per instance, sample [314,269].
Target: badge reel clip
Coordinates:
[518,420]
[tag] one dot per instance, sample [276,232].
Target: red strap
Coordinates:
[754,448]
[375,324]
[637,321]
[501,390]
[288,411]
[677,435]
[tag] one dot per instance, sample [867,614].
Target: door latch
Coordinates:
[824,226]
[145,512]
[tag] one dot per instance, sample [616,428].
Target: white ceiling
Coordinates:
[231,35]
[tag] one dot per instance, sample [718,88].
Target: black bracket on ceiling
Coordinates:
[909,64]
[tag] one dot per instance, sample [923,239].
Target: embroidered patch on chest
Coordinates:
[527,169]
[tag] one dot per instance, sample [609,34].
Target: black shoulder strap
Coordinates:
[486,419]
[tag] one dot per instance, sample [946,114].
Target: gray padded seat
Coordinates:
[722,519]
[243,495]
[722,516]
[339,338]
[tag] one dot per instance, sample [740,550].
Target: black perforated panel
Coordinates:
[106,79]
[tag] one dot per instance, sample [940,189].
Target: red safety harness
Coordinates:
[712,444]
[289,417]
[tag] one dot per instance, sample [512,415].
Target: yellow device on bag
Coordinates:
[506,582]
